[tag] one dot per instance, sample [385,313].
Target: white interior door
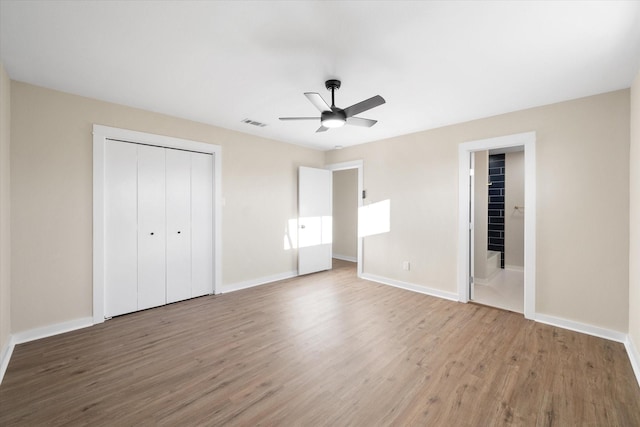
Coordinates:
[201,224]
[315,222]
[121,224]
[178,210]
[151,227]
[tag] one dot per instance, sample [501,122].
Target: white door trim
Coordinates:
[528,140]
[359,165]
[100,136]
[471,232]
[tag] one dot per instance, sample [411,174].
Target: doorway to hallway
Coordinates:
[347,199]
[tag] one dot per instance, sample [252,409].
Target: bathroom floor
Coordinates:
[505,290]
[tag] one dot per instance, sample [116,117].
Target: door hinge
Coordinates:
[471,280]
[470,172]
[470,226]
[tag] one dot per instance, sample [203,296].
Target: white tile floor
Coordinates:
[505,290]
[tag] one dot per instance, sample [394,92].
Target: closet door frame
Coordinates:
[100,136]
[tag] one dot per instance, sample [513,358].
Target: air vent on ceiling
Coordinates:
[254,123]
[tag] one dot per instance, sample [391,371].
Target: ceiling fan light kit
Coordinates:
[333,119]
[332,116]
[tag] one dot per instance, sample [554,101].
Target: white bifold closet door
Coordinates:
[158,226]
[201,224]
[151,227]
[121,228]
[178,225]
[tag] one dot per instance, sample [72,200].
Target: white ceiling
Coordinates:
[435,63]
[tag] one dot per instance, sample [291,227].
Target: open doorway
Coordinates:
[498,228]
[467,222]
[345,215]
[347,199]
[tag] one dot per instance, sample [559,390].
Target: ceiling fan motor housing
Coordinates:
[334,118]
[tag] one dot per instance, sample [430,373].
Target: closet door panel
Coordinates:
[202,223]
[151,227]
[178,225]
[121,267]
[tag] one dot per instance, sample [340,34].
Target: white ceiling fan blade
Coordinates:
[322,129]
[358,121]
[317,100]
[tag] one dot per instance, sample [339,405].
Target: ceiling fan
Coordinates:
[332,116]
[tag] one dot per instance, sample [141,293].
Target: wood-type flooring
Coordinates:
[327,349]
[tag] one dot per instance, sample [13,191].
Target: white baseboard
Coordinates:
[36,334]
[257,282]
[514,267]
[51,330]
[7,351]
[634,357]
[411,287]
[345,257]
[584,328]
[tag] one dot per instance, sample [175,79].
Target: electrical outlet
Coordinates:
[406,266]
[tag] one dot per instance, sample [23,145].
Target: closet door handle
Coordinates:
[151,233]
[178,232]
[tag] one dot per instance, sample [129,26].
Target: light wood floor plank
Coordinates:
[324,349]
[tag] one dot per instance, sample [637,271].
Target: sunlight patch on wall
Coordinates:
[374,218]
[291,234]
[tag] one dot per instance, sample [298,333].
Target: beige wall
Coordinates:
[578,142]
[634,214]
[5,199]
[582,271]
[480,214]
[345,213]
[514,218]
[51,199]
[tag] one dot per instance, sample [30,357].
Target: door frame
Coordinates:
[359,165]
[528,140]
[100,136]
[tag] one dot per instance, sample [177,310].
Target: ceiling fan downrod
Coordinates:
[332,85]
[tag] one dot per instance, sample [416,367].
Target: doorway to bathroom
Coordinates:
[496,259]
[498,228]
